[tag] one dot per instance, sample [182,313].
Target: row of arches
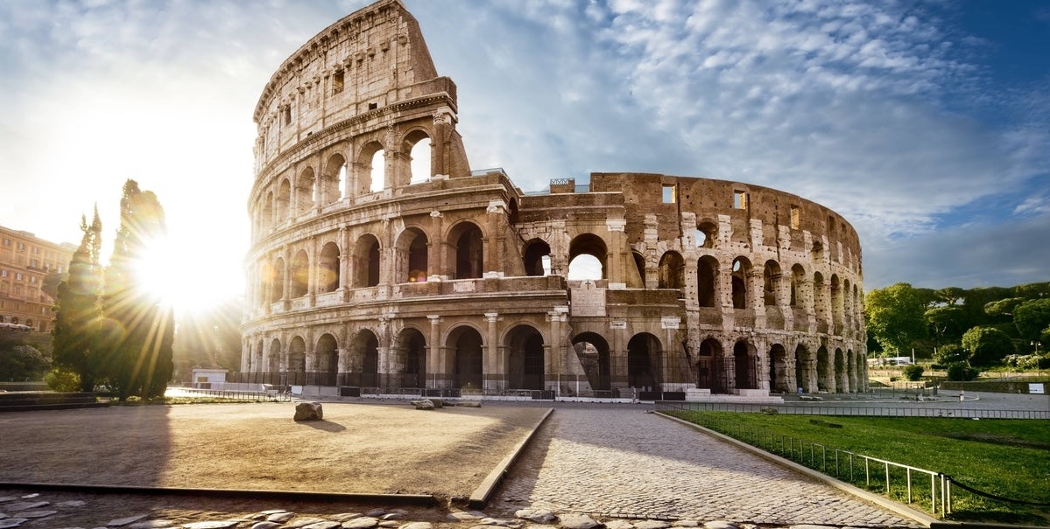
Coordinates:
[524,360]
[309,189]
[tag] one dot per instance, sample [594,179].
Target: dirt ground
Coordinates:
[357,448]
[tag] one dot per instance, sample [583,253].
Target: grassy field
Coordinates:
[1006,458]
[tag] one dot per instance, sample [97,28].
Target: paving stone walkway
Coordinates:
[587,468]
[638,465]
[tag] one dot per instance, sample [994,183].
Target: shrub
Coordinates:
[988,346]
[950,354]
[62,380]
[961,372]
[913,372]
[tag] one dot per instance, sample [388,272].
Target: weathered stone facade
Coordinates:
[392,282]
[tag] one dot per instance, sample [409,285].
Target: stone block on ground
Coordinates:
[308,411]
[425,404]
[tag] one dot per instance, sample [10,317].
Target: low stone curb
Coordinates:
[422,500]
[483,493]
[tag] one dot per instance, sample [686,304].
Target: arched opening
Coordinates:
[639,264]
[836,303]
[779,381]
[467,358]
[841,373]
[643,359]
[705,235]
[364,360]
[419,149]
[707,281]
[327,360]
[741,271]
[537,258]
[710,372]
[593,352]
[284,201]
[672,271]
[333,181]
[377,172]
[300,272]
[412,256]
[267,213]
[803,365]
[257,358]
[366,261]
[770,283]
[412,357]
[745,366]
[274,280]
[798,276]
[587,255]
[825,380]
[467,240]
[525,362]
[297,361]
[305,192]
[328,268]
[273,358]
[820,302]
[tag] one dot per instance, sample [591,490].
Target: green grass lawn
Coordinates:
[1007,458]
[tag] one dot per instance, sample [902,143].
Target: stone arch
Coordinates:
[771,283]
[644,361]
[257,357]
[326,353]
[412,251]
[672,271]
[592,245]
[333,179]
[410,353]
[593,352]
[273,357]
[419,157]
[305,191]
[300,275]
[366,261]
[711,372]
[820,302]
[707,281]
[467,348]
[841,372]
[803,368]
[525,358]
[745,365]
[363,170]
[537,258]
[739,275]
[267,220]
[825,373]
[639,264]
[273,280]
[297,361]
[468,243]
[363,359]
[706,234]
[328,268]
[284,201]
[779,370]
[798,277]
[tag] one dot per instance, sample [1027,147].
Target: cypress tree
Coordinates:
[77,310]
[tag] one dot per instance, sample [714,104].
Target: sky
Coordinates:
[926,124]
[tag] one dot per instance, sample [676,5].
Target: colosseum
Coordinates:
[382,263]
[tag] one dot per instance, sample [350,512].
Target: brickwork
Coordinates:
[364,274]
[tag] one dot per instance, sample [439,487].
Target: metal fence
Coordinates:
[269,395]
[895,480]
[885,410]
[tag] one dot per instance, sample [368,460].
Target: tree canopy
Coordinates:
[895,316]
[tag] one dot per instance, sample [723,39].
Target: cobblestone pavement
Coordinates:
[625,463]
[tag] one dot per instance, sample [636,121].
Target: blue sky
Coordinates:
[925,124]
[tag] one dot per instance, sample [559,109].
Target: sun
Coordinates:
[181,279]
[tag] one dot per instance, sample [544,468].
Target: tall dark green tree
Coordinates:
[895,316]
[139,329]
[75,347]
[987,346]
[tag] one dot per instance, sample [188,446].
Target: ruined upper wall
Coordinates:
[366,62]
[787,220]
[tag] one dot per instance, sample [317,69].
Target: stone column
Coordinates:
[435,357]
[492,375]
[615,256]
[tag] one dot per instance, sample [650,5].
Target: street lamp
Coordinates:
[1036,345]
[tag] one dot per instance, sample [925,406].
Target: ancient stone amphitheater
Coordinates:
[372,272]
